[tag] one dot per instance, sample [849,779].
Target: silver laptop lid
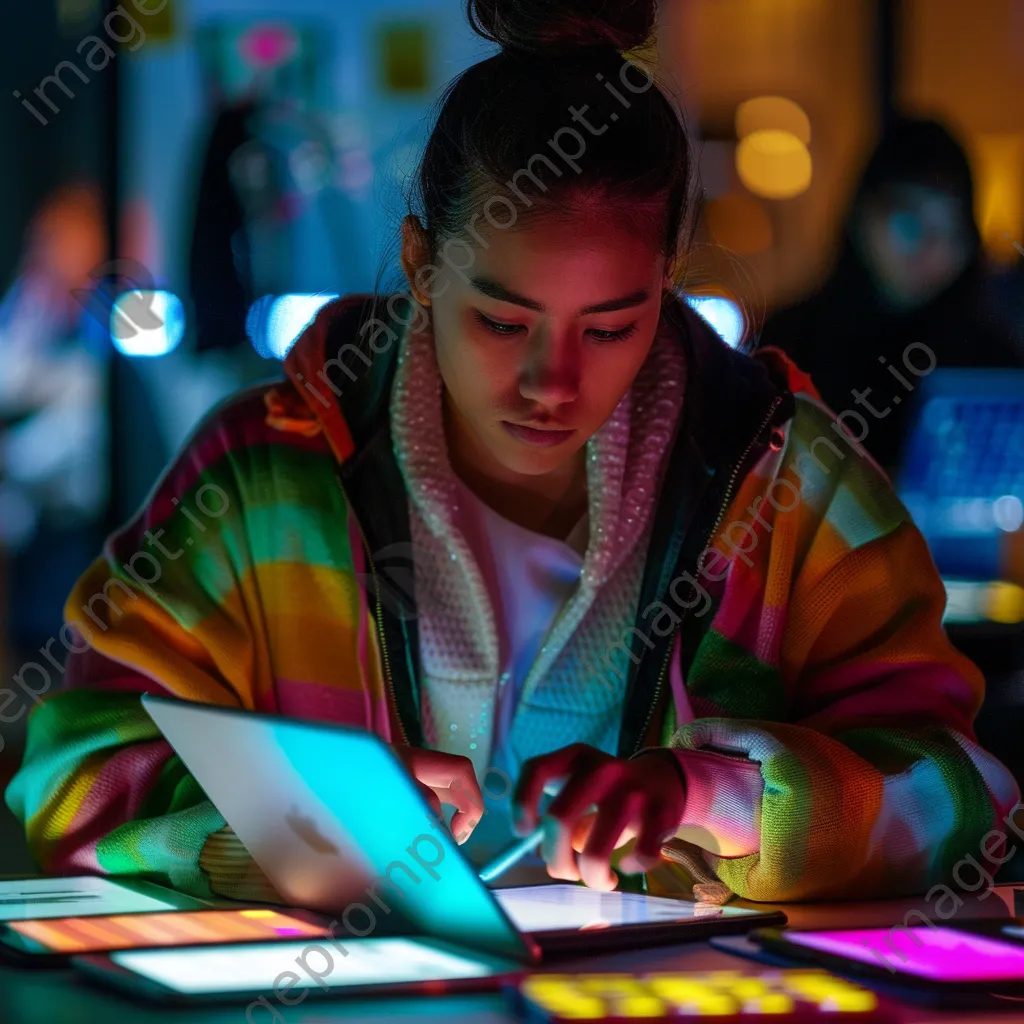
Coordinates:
[335,822]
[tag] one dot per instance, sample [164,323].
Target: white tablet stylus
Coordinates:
[512,856]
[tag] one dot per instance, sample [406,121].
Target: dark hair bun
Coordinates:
[564,26]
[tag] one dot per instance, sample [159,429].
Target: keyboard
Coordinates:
[778,995]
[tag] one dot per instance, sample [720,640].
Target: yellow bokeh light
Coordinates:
[772,113]
[1006,603]
[774,164]
[999,193]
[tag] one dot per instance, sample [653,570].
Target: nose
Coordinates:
[551,373]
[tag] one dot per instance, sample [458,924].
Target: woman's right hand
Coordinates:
[449,779]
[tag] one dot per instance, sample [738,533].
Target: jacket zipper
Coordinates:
[659,685]
[378,619]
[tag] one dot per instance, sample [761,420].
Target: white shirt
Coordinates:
[529,578]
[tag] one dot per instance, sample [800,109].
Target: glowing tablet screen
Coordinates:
[942,954]
[544,908]
[390,961]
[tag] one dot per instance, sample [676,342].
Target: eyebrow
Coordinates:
[495,290]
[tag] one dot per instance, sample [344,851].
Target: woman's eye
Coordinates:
[504,330]
[496,327]
[620,335]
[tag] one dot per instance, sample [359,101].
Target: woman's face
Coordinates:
[539,332]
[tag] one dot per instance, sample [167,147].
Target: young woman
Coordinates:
[643,564]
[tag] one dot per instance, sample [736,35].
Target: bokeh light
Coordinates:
[723,316]
[774,164]
[147,323]
[274,323]
[772,113]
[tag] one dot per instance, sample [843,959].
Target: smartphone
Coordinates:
[247,973]
[933,958]
[50,940]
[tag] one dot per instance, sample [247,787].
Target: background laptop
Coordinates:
[962,479]
[336,823]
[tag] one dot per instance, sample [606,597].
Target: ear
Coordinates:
[415,254]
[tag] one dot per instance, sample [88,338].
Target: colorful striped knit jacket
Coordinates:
[810,644]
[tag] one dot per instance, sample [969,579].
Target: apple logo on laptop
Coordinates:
[305,828]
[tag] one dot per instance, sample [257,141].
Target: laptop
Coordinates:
[962,479]
[338,826]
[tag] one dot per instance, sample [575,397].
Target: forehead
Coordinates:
[568,260]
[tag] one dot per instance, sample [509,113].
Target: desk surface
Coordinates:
[41,996]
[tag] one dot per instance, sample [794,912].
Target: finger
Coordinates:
[432,799]
[612,821]
[463,823]
[467,799]
[452,772]
[592,776]
[588,784]
[581,831]
[556,849]
[567,816]
[453,778]
[653,833]
[534,776]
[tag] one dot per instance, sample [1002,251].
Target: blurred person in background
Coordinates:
[909,271]
[53,467]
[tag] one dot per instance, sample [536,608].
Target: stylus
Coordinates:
[514,854]
[511,856]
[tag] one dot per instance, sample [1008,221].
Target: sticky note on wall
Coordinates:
[405,51]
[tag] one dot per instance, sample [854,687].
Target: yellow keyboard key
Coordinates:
[577,1008]
[853,1001]
[771,1002]
[677,987]
[748,988]
[641,1006]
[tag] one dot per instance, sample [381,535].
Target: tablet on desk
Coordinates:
[288,972]
[939,960]
[25,899]
[566,918]
[49,941]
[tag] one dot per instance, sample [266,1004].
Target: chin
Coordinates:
[528,461]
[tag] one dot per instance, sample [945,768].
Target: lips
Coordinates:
[536,436]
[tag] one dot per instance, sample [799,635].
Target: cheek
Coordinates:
[477,377]
[609,375]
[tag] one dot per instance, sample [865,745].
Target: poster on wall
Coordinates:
[272,59]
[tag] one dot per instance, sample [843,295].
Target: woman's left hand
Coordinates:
[643,799]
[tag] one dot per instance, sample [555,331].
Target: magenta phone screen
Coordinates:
[937,953]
